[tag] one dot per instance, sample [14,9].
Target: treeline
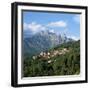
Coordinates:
[67,64]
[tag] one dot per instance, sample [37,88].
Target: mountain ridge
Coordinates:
[43,41]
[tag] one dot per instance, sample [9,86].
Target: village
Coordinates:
[48,55]
[59,60]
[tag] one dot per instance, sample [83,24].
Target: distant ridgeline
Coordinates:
[42,41]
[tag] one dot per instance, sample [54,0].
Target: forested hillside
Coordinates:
[63,59]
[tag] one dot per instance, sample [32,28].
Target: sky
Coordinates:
[60,23]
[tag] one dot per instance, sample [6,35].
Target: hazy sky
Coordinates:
[56,22]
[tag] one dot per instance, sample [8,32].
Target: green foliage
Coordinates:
[65,64]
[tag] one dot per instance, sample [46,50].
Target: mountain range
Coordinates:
[41,41]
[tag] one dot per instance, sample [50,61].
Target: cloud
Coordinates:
[52,31]
[74,37]
[25,26]
[77,18]
[34,27]
[57,24]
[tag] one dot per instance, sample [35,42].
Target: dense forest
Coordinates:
[63,59]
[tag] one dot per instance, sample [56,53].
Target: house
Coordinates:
[49,61]
[48,53]
[41,54]
[34,57]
